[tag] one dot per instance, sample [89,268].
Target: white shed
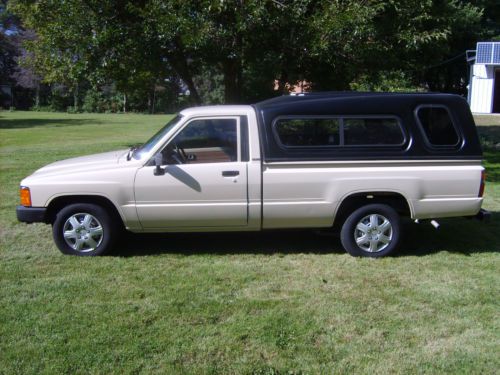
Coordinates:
[484,89]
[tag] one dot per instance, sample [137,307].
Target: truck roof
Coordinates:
[342,95]
[217,110]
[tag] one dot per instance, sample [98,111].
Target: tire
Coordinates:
[372,231]
[89,230]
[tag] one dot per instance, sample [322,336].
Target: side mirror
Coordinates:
[159,171]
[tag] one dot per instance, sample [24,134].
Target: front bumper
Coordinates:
[31,214]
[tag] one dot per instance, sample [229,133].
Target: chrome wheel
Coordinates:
[82,232]
[373,233]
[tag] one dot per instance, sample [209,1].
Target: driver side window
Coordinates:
[204,141]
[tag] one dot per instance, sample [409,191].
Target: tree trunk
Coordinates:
[124,103]
[154,99]
[193,91]
[12,101]
[75,97]
[233,72]
[37,95]
[149,102]
[182,69]
[179,62]
[282,82]
[232,81]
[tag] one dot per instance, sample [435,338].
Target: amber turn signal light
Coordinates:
[25,194]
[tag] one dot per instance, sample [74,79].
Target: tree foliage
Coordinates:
[238,50]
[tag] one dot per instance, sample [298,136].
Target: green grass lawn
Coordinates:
[272,303]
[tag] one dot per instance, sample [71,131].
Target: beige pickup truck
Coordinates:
[354,161]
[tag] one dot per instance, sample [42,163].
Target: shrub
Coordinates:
[394,81]
[42,108]
[99,101]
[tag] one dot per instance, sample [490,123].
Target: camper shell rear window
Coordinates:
[437,126]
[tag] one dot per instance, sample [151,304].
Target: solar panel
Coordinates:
[496,53]
[484,52]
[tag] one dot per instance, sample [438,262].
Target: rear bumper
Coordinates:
[483,215]
[31,214]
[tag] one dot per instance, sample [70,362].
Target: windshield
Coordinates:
[146,147]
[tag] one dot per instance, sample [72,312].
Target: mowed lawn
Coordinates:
[273,303]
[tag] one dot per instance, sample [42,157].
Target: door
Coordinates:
[203,181]
[496,92]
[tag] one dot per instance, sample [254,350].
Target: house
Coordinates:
[484,89]
[298,87]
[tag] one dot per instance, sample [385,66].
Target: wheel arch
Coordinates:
[356,200]
[59,202]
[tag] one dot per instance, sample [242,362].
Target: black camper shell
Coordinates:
[413,113]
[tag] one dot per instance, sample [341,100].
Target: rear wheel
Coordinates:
[373,231]
[84,229]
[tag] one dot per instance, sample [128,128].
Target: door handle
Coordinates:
[230,173]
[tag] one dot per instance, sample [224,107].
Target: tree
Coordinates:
[90,41]
[490,21]
[24,74]
[21,79]
[436,32]
[8,51]
[59,51]
[244,46]
[243,40]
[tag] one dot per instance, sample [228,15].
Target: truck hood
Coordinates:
[83,163]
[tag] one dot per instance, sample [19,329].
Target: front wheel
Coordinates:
[373,231]
[83,229]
